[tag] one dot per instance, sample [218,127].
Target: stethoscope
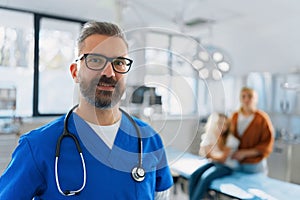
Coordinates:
[138,173]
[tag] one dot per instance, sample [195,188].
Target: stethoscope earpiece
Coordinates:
[138,174]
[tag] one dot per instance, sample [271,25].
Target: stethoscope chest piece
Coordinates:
[138,174]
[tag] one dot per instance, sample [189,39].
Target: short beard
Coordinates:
[102,99]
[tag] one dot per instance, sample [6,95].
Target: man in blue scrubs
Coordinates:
[107,137]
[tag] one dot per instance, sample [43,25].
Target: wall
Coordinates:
[181,133]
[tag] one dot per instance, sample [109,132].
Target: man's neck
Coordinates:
[99,116]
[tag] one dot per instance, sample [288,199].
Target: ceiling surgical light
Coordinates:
[211,62]
[217,56]
[224,66]
[216,74]
[204,73]
[204,56]
[198,64]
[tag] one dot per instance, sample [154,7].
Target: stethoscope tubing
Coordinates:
[66,133]
[138,173]
[70,192]
[140,155]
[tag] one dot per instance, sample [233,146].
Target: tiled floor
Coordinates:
[179,190]
[179,194]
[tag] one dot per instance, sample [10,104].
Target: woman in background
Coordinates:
[217,145]
[254,130]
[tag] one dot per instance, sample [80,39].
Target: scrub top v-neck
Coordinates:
[31,171]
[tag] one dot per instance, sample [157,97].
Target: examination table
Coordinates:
[235,186]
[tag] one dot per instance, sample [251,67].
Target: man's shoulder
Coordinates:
[148,132]
[139,121]
[46,131]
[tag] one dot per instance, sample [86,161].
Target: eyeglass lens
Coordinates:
[98,62]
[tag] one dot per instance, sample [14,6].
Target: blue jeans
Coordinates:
[201,179]
[260,167]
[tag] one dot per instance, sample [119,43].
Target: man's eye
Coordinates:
[95,60]
[119,62]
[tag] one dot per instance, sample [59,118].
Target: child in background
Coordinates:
[217,145]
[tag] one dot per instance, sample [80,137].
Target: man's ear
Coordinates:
[74,72]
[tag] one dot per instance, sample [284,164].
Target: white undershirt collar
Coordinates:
[106,133]
[243,123]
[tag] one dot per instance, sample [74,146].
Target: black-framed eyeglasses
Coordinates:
[98,62]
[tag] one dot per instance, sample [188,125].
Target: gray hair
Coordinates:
[102,28]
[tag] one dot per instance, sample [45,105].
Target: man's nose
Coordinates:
[108,70]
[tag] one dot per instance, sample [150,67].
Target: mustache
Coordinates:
[105,80]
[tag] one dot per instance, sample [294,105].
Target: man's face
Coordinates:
[103,88]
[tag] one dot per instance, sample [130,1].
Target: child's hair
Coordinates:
[212,124]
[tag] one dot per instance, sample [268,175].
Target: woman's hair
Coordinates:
[247,89]
[250,91]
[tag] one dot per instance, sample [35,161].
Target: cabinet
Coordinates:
[286,94]
[286,107]
[7,100]
[279,161]
[284,162]
[8,143]
[262,84]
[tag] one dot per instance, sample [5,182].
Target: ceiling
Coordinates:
[260,35]
[170,13]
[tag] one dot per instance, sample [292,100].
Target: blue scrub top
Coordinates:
[31,171]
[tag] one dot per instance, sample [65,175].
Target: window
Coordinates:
[16,58]
[35,54]
[56,53]
[169,70]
